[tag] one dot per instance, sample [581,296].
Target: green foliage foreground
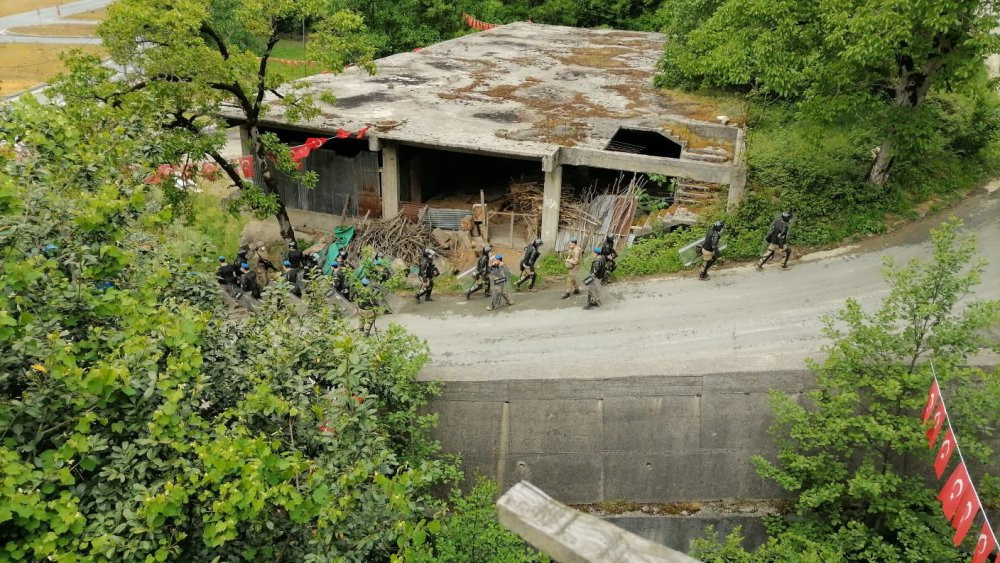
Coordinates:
[139,421]
[854,453]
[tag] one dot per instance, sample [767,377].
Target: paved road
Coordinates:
[739,321]
[49,16]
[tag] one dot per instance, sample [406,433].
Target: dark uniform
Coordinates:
[610,258]
[249,285]
[528,259]
[427,271]
[482,275]
[294,256]
[777,239]
[293,276]
[226,274]
[339,280]
[598,269]
[710,248]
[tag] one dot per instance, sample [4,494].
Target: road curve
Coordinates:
[741,320]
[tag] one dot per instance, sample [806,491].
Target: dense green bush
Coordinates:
[469,531]
[141,421]
[656,254]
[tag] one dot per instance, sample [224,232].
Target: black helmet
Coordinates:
[428,252]
[538,242]
[379,256]
[786,216]
[487,249]
[291,245]
[718,226]
[611,238]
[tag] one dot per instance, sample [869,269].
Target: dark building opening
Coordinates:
[639,141]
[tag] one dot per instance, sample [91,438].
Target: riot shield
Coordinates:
[691,253]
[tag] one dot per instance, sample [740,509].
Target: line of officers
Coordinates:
[493,276]
[363,285]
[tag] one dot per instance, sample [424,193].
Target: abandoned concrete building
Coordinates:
[455,125]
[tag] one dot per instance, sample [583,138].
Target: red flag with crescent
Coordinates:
[932,399]
[341,134]
[362,132]
[954,490]
[246,166]
[966,513]
[944,453]
[938,420]
[984,545]
[316,142]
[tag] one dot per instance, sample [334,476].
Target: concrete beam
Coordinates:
[704,171]
[390,180]
[571,536]
[551,200]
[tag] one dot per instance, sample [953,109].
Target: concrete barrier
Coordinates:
[647,439]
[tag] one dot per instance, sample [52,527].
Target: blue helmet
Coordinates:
[597,249]
[245,266]
[286,264]
[364,282]
[49,248]
[498,256]
[222,258]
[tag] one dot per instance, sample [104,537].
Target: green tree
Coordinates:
[140,421]
[188,58]
[867,59]
[855,454]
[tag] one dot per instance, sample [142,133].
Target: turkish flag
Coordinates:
[246,166]
[210,170]
[938,419]
[362,132]
[966,513]
[932,399]
[300,152]
[954,490]
[984,545]
[341,134]
[316,142]
[944,454]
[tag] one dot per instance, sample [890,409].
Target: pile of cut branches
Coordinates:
[396,237]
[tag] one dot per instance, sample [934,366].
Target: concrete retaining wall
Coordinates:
[676,532]
[642,439]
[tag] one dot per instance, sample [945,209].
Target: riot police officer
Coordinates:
[426,271]
[610,258]
[248,282]
[777,239]
[481,278]
[598,269]
[294,256]
[293,276]
[528,259]
[499,278]
[710,248]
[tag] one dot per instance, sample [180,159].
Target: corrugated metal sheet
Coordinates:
[411,211]
[445,218]
[341,180]
[614,213]
[369,190]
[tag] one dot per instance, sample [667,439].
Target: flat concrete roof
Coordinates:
[521,89]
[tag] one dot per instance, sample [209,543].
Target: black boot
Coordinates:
[788,255]
[760,265]
[565,295]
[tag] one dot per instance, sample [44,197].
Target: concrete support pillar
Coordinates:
[390,180]
[551,197]
[245,140]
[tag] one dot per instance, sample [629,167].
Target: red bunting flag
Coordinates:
[362,132]
[316,142]
[341,134]
[944,454]
[300,152]
[210,170]
[938,420]
[984,545]
[246,166]
[932,399]
[954,490]
[966,513]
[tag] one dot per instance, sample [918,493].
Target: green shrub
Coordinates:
[655,254]
[469,532]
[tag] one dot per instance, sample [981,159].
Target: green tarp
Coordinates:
[341,237]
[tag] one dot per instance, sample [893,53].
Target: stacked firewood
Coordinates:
[394,237]
[526,197]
